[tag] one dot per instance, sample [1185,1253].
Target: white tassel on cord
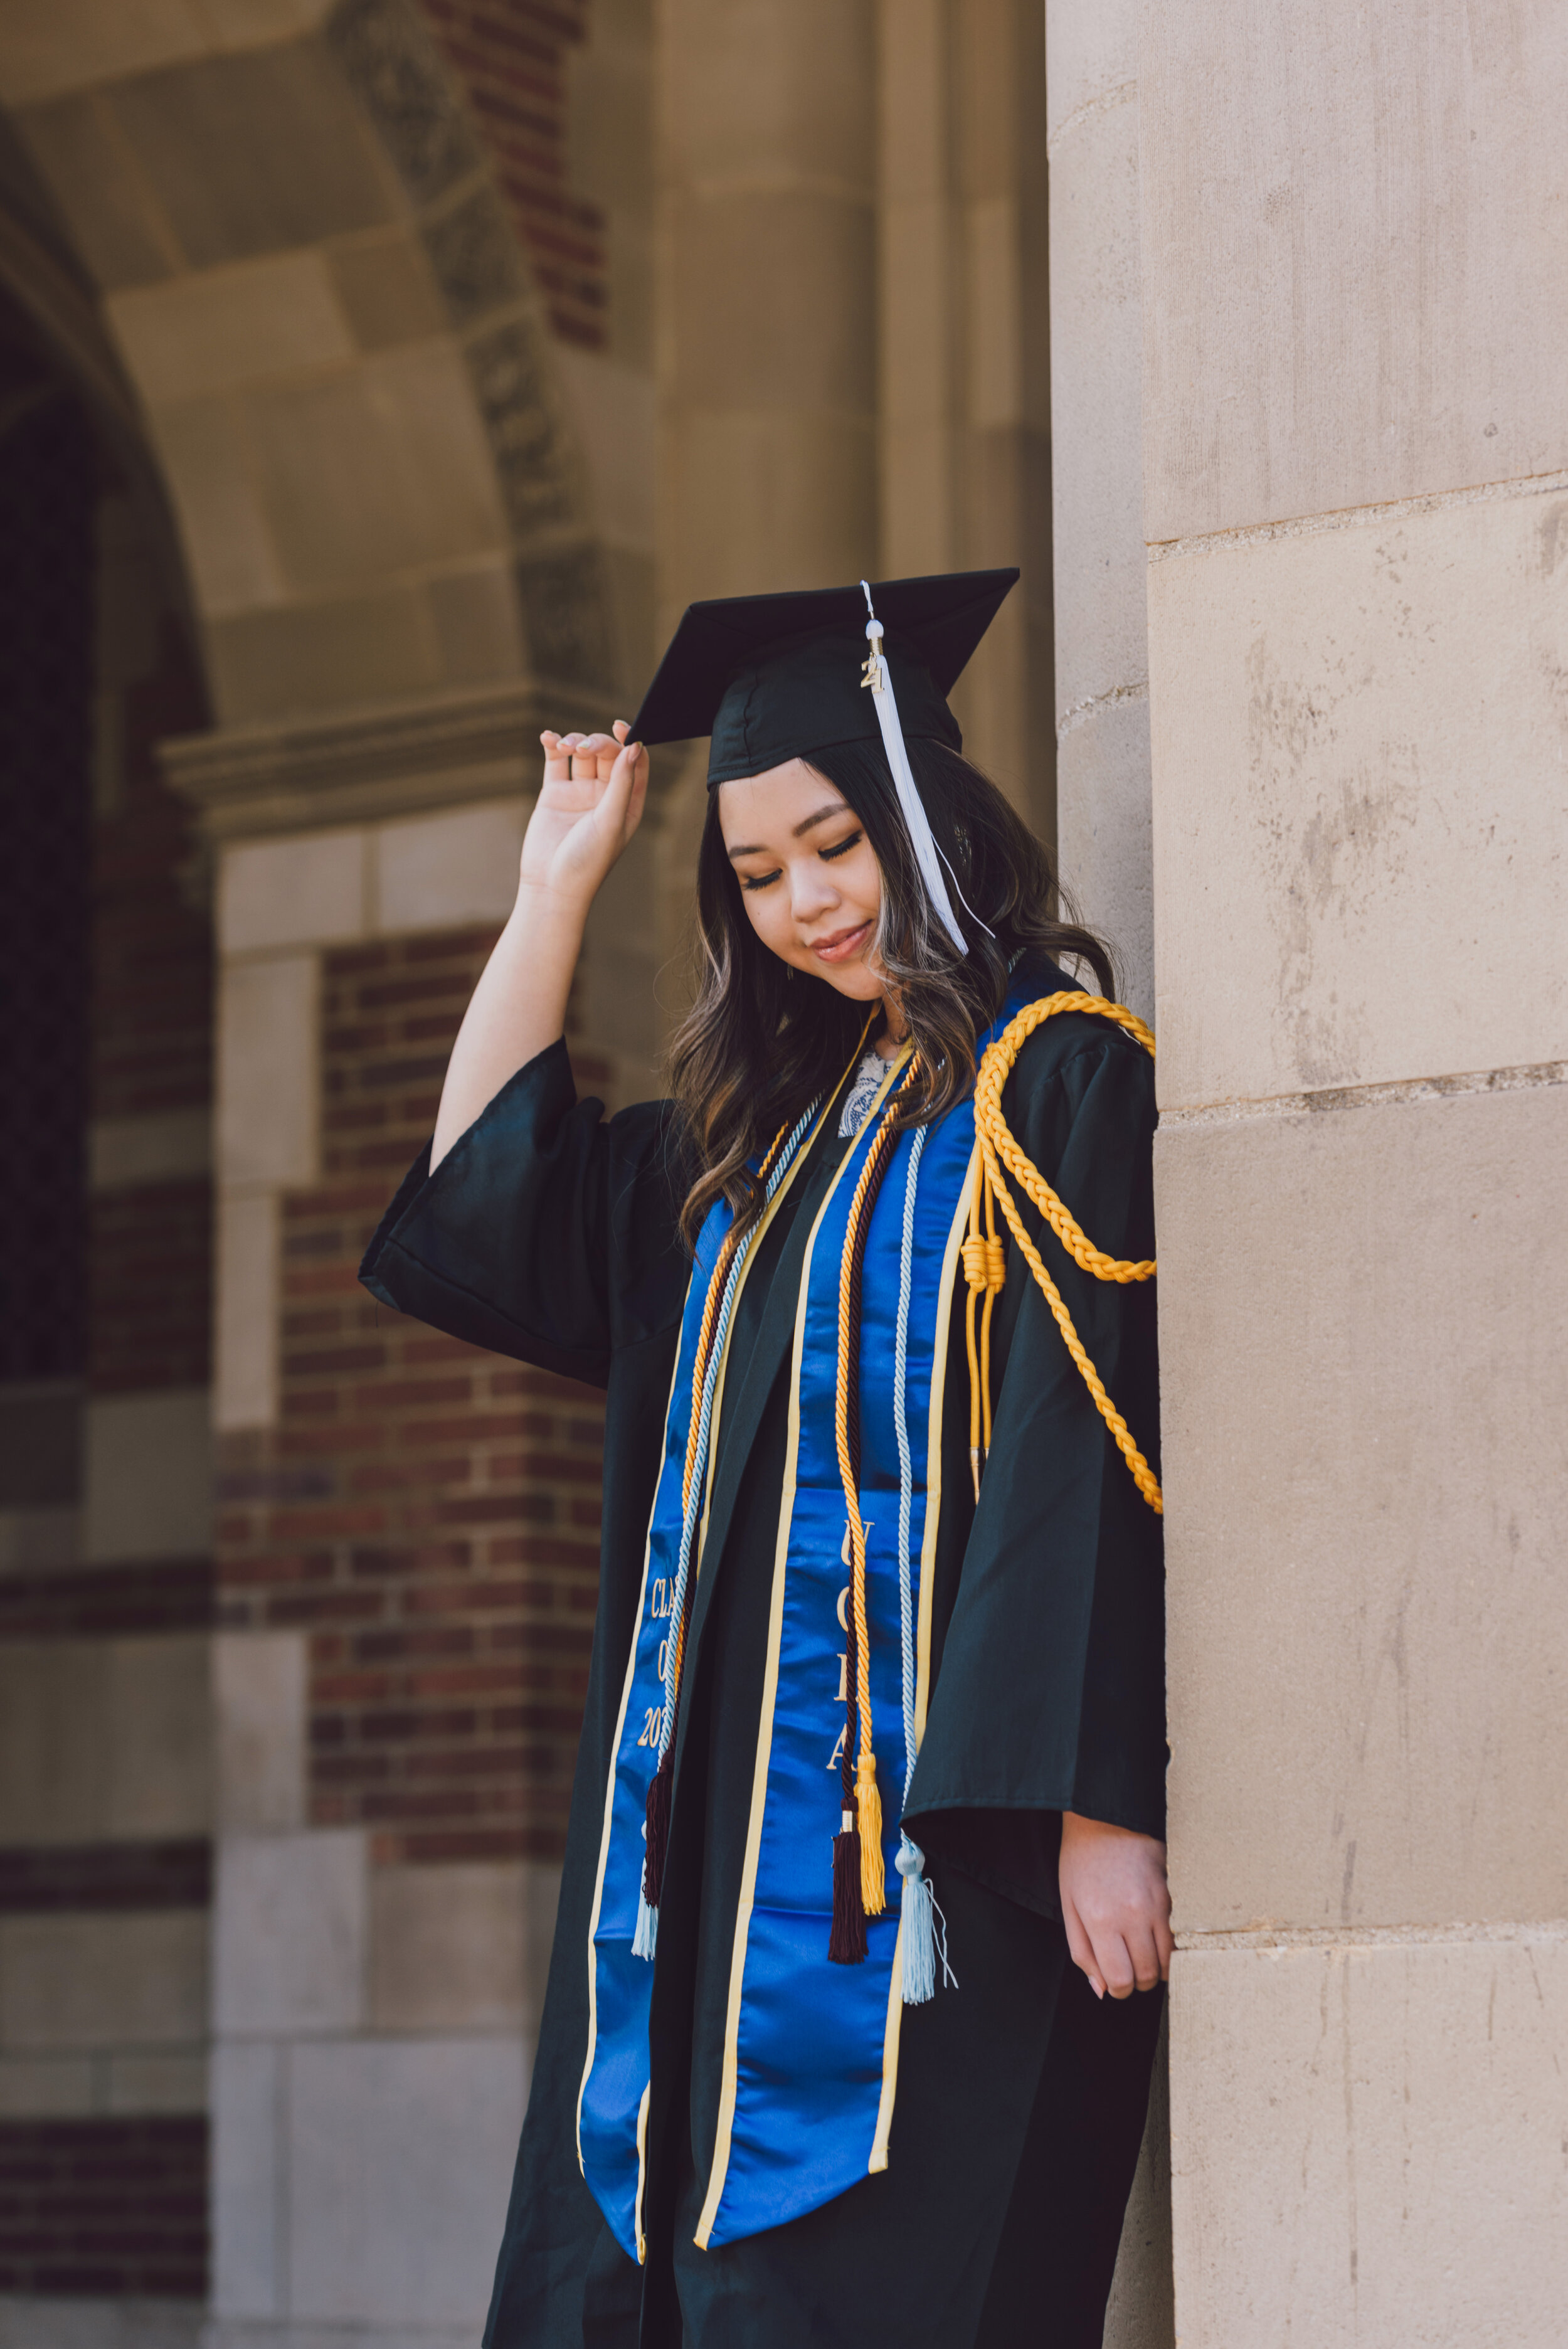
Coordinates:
[877,676]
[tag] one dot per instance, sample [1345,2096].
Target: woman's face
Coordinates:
[808,878]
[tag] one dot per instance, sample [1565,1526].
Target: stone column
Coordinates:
[765,334]
[1096,479]
[767,324]
[964,390]
[1356,469]
[1101,680]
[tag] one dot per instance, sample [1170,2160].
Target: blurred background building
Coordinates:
[377,382]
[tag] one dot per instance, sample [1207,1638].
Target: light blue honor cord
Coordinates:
[918,1903]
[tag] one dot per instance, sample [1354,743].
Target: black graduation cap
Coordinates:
[771,677]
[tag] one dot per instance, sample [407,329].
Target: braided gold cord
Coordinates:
[995,1070]
[997,1143]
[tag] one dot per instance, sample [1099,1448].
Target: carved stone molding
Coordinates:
[395,759]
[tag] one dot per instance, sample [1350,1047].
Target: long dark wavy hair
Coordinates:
[762,1039]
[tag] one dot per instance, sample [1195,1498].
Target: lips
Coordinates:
[838,945]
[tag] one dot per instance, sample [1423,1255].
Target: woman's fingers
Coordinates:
[1081,1949]
[1116,1965]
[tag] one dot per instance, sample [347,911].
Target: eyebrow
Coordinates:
[808,823]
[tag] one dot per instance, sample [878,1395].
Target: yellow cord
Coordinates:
[873,1873]
[982,1262]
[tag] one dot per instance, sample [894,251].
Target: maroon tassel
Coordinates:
[847,1941]
[658,1823]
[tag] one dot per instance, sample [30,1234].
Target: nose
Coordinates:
[811,890]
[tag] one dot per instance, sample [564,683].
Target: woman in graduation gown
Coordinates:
[856,1980]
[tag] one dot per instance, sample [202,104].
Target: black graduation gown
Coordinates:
[549,1234]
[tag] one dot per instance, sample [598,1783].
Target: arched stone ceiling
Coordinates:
[306,275]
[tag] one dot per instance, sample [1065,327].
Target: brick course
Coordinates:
[104,2208]
[428,1511]
[510,57]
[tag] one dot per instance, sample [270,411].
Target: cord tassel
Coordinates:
[868,1802]
[917,1940]
[657,1830]
[646,1940]
[847,1939]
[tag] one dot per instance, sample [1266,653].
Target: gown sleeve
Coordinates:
[549,1232]
[1050,1690]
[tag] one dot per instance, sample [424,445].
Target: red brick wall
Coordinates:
[104,2207]
[511,57]
[429,1511]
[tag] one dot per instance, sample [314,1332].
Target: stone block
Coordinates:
[339,652]
[147,1490]
[32,1539]
[45,2087]
[290,892]
[102,197]
[267,1071]
[258,1685]
[747,99]
[215,329]
[252,153]
[41,1446]
[248,2247]
[376,469]
[769,502]
[1365,1441]
[34,2323]
[169,2082]
[611,408]
[1351,239]
[102,1981]
[289,1934]
[1367,2144]
[76,43]
[386,290]
[1104,835]
[773,302]
[460,1947]
[246,1338]
[437,871]
[1091,56]
[1096,421]
[399,2162]
[477,622]
[1322,704]
[163,1146]
[224,532]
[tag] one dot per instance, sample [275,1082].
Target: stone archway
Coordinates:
[268,242]
[309,275]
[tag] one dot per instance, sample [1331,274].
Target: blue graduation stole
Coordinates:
[810,2048]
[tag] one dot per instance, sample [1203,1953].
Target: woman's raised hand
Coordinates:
[590,805]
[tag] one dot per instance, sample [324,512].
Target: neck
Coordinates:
[895,1029]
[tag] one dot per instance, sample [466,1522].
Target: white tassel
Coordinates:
[918,823]
[646,1940]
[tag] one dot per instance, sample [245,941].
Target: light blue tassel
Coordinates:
[924,1937]
[918,1939]
[646,1940]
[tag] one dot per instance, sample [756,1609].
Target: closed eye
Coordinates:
[842,847]
[759,880]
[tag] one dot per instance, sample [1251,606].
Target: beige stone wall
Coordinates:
[1355,504]
[963,422]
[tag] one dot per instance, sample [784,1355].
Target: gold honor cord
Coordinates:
[982,1260]
[868,1800]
